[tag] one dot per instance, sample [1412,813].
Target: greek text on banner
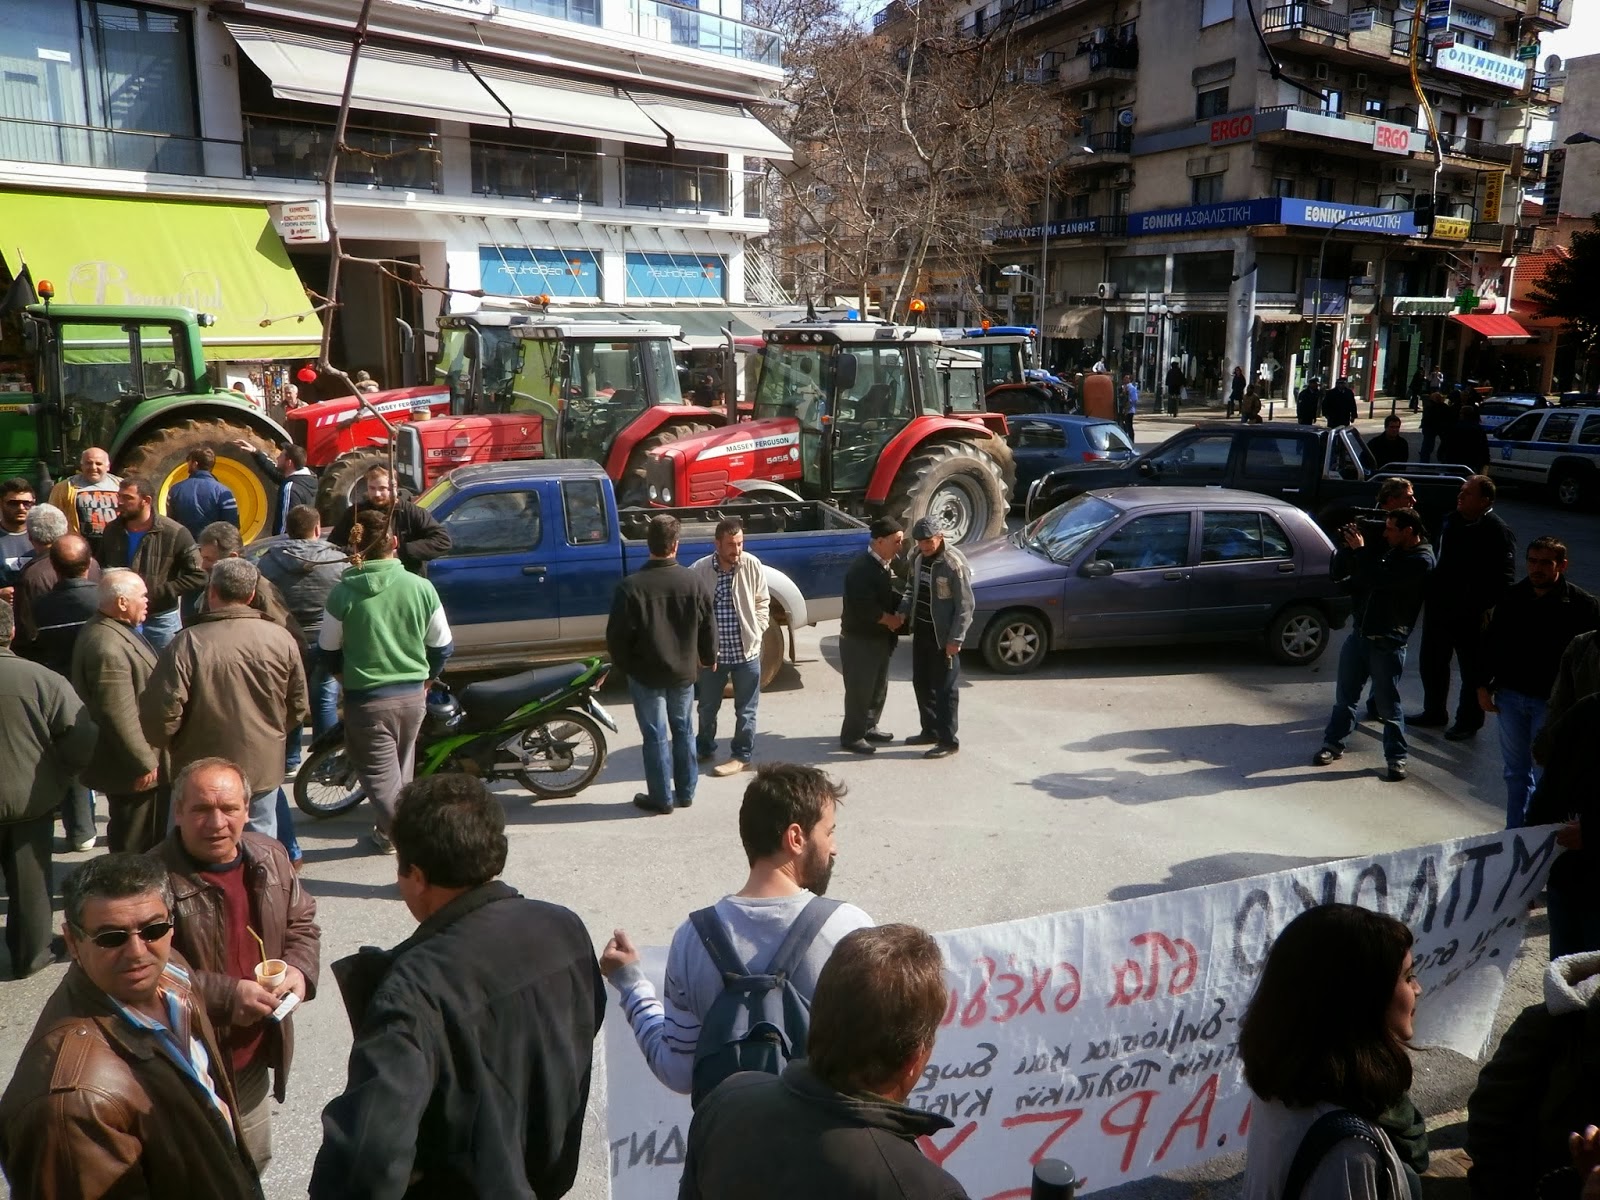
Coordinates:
[1109,1036]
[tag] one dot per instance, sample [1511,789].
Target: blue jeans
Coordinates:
[669,770]
[285,818]
[746,678]
[160,628]
[1361,659]
[77,814]
[324,691]
[264,813]
[1520,719]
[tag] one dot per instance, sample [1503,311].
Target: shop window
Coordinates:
[1143,273]
[1275,273]
[1283,187]
[1325,187]
[1206,189]
[1202,272]
[1212,102]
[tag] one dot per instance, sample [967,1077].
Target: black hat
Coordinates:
[882,527]
[926,527]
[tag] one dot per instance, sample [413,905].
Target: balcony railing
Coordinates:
[665,186]
[755,193]
[1486,231]
[1292,18]
[1099,60]
[116,149]
[582,12]
[279,149]
[531,173]
[1118,141]
[1465,147]
[679,25]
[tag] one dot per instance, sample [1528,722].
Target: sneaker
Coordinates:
[86,844]
[1396,772]
[379,841]
[1325,756]
[732,767]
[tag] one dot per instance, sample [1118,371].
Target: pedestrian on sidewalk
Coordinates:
[1236,389]
[869,631]
[660,633]
[742,611]
[1175,385]
[1308,402]
[1130,404]
[938,606]
[1339,405]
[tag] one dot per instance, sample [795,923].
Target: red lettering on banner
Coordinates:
[1067,998]
[937,1156]
[1063,1120]
[1244,1121]
[977,1007]
[1013,993]
[1206,1098]
[1230,129]
[1133,1128]
[1136,982]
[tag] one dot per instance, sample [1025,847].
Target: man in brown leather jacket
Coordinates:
[226,886]
[121,1089]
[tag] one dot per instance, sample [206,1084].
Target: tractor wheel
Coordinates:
[631,488]
[961,485]
[342,482]
[161,458]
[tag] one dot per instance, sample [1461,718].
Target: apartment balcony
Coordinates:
[1547,89]
[275,148]
[670,23]
[529,173]
[1363,40]
[1535,156]
[675,188]
[1487,231]
[1375,139]
[1548,14]
[62,145]
[1096,150]
[1102,63]
[1473,150]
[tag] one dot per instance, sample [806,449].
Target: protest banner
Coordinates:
[1108,1036]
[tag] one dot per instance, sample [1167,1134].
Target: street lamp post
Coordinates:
[1316,303]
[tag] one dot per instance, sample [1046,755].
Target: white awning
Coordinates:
[715,128]
[570,106]
[312,70]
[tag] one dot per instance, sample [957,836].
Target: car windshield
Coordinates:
[1063,531]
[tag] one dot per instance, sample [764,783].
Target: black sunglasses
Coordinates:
[115,939]
[21,503]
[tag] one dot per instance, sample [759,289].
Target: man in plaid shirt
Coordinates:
[741,610]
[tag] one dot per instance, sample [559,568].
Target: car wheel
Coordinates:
[1569,490]
[1298,635]
[1015,642]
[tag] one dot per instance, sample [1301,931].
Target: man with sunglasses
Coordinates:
[1529,631]
[16,548]
[122,1088]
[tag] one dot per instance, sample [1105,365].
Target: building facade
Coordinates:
[600,152]
[1243,197]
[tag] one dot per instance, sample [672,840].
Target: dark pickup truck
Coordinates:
[1326,472]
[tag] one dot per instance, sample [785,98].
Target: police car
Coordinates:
[1554,448]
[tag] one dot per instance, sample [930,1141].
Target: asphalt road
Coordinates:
[1108,775]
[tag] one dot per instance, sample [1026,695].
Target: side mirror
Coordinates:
[1096,569]
[1147,468]
[844,372]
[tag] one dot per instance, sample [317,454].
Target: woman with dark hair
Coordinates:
[1324,1050]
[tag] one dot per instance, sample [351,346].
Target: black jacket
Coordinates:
[1527,635]
[167,560]
[1567,787]
[1388,590]
[422,539]
[302,488]
[1386,450]
[794,1138]
[1465,443]
[58,616]
[474,1043]
[1339,406]
[870,592]
[1477,562]
[661,629]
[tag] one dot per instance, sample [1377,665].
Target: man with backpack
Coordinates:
[772,937]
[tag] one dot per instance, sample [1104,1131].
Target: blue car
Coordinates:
[1042,442]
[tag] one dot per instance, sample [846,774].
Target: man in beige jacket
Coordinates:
[232,684]
[741,611]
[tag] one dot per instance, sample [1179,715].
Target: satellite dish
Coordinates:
[1552,64]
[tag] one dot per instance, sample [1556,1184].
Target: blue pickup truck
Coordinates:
[538,547]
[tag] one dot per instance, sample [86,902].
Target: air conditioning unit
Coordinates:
[1106,291]
[1322,73]
[1400,175]
[1361,81]
[1091,99]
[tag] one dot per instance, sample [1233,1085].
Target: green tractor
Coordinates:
[133,381]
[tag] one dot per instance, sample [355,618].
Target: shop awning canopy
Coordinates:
[1072,321]
[715,128]
[559,105]
[1494,327]
[223,259]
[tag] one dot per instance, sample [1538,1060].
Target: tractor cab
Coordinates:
[477,359]
[1010,356]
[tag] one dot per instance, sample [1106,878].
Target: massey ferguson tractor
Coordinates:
[602,390]
[852,412]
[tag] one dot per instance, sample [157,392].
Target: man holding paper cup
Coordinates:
[248,931]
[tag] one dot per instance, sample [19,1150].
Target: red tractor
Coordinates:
[602,390]
[852,412]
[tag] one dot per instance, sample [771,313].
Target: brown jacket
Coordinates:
[168,560]
[96,1109]
[231,684]
[268,601]
[111,667]
[288,927]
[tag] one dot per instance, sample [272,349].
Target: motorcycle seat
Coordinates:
[491,701]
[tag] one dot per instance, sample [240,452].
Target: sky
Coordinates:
[1582,37]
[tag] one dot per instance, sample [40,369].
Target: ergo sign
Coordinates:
[1231,129]
[1393,139]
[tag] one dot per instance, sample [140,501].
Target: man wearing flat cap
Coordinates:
[868,630]
[938,606]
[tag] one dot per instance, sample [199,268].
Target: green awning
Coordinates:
[224,259]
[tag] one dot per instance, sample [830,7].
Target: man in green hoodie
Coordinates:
[385,636]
